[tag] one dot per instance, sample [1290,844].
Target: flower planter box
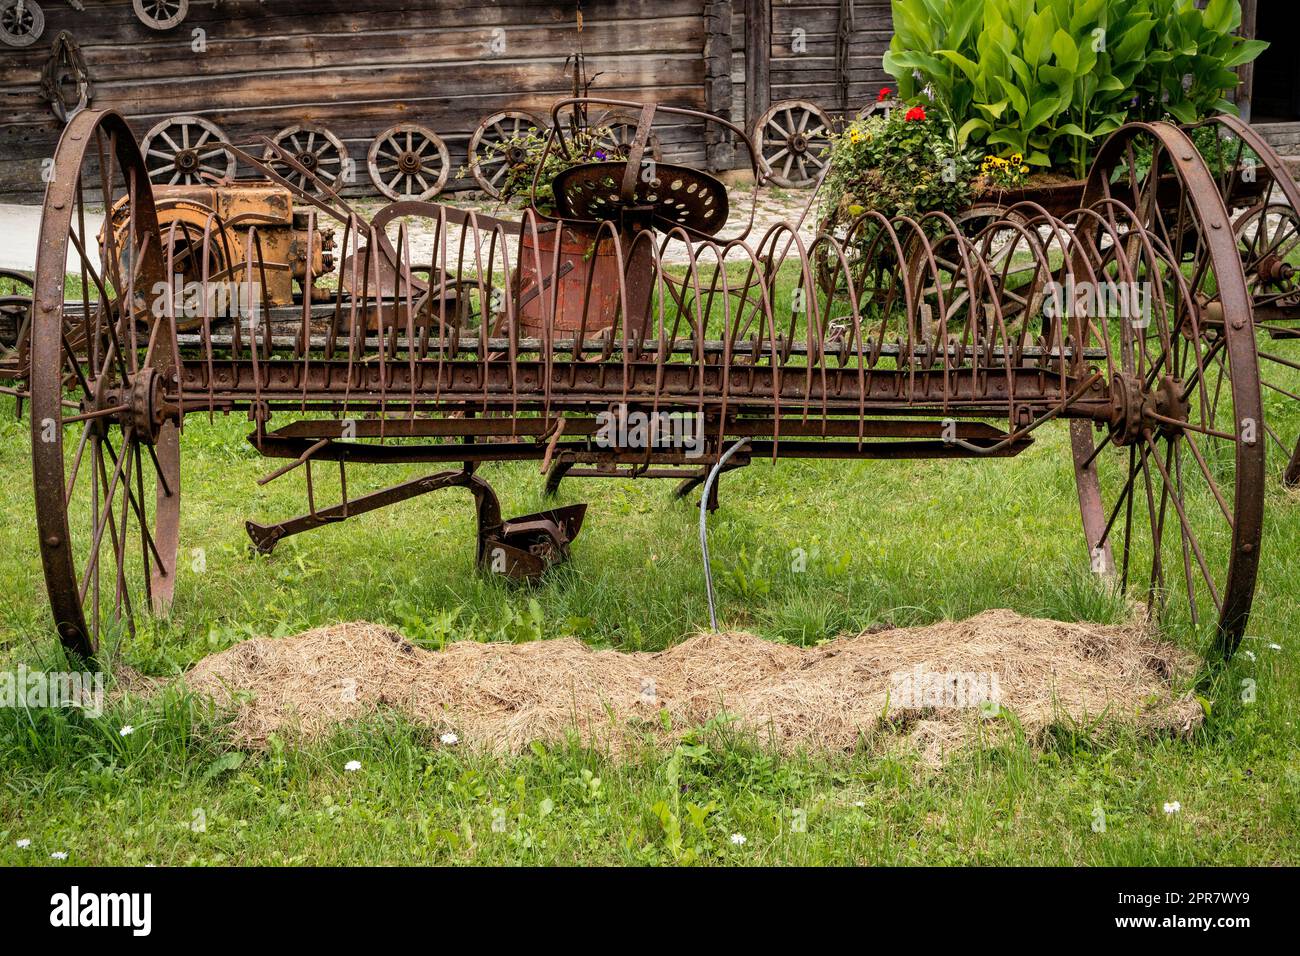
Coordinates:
[1057,198]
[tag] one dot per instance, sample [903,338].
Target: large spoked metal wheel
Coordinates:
[104,393]
[318,151]
[409,162]
[182,150]
[495,147]
[1263,198]
[1172,492]
[792,139]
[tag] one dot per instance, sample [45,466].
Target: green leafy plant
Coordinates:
[1048,79]
[1188,67]
[586,145]
[897,166]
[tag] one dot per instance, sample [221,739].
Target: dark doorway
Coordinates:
[1276,93]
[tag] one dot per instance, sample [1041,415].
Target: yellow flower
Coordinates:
[1016,159]
[1024,169]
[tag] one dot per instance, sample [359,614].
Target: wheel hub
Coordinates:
[798,143]
[307,160]
[187,160]
[1275,271]
[409,162]
[1136,413]
[143,405]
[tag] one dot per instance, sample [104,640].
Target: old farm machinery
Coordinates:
[515,340]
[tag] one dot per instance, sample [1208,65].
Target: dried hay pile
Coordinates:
[902,681]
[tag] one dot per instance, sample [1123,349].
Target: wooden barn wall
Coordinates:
[811,74]
[356,66]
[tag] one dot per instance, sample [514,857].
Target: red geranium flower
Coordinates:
[915,114]
[884,94]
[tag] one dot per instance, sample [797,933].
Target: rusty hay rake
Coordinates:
[474,339]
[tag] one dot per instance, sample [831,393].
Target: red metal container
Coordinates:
[583,260]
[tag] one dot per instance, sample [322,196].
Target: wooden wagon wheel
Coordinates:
[161,14]
[618,130]
[21,22]
[317,150]
[1263,198]
[1173,493]
[409,162]
[489,156]
[105,413]
[883,108]
[180,150]
[792,138]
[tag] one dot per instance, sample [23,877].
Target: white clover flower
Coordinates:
[1275,647]
[1172,808]
[449,739]
[738,839]
[352,766]
[23,844]
[126,731]
[1249,654]
[859,803]
[58,855]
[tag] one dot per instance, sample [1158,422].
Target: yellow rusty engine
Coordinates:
[251,220]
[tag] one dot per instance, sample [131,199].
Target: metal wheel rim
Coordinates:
[1243,511]
[1270,350]
[107,133]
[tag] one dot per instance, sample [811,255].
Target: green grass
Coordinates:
[887,543]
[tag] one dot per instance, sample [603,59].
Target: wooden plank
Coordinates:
[1246,72]
[758,54]
[357,66]
[718,145]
